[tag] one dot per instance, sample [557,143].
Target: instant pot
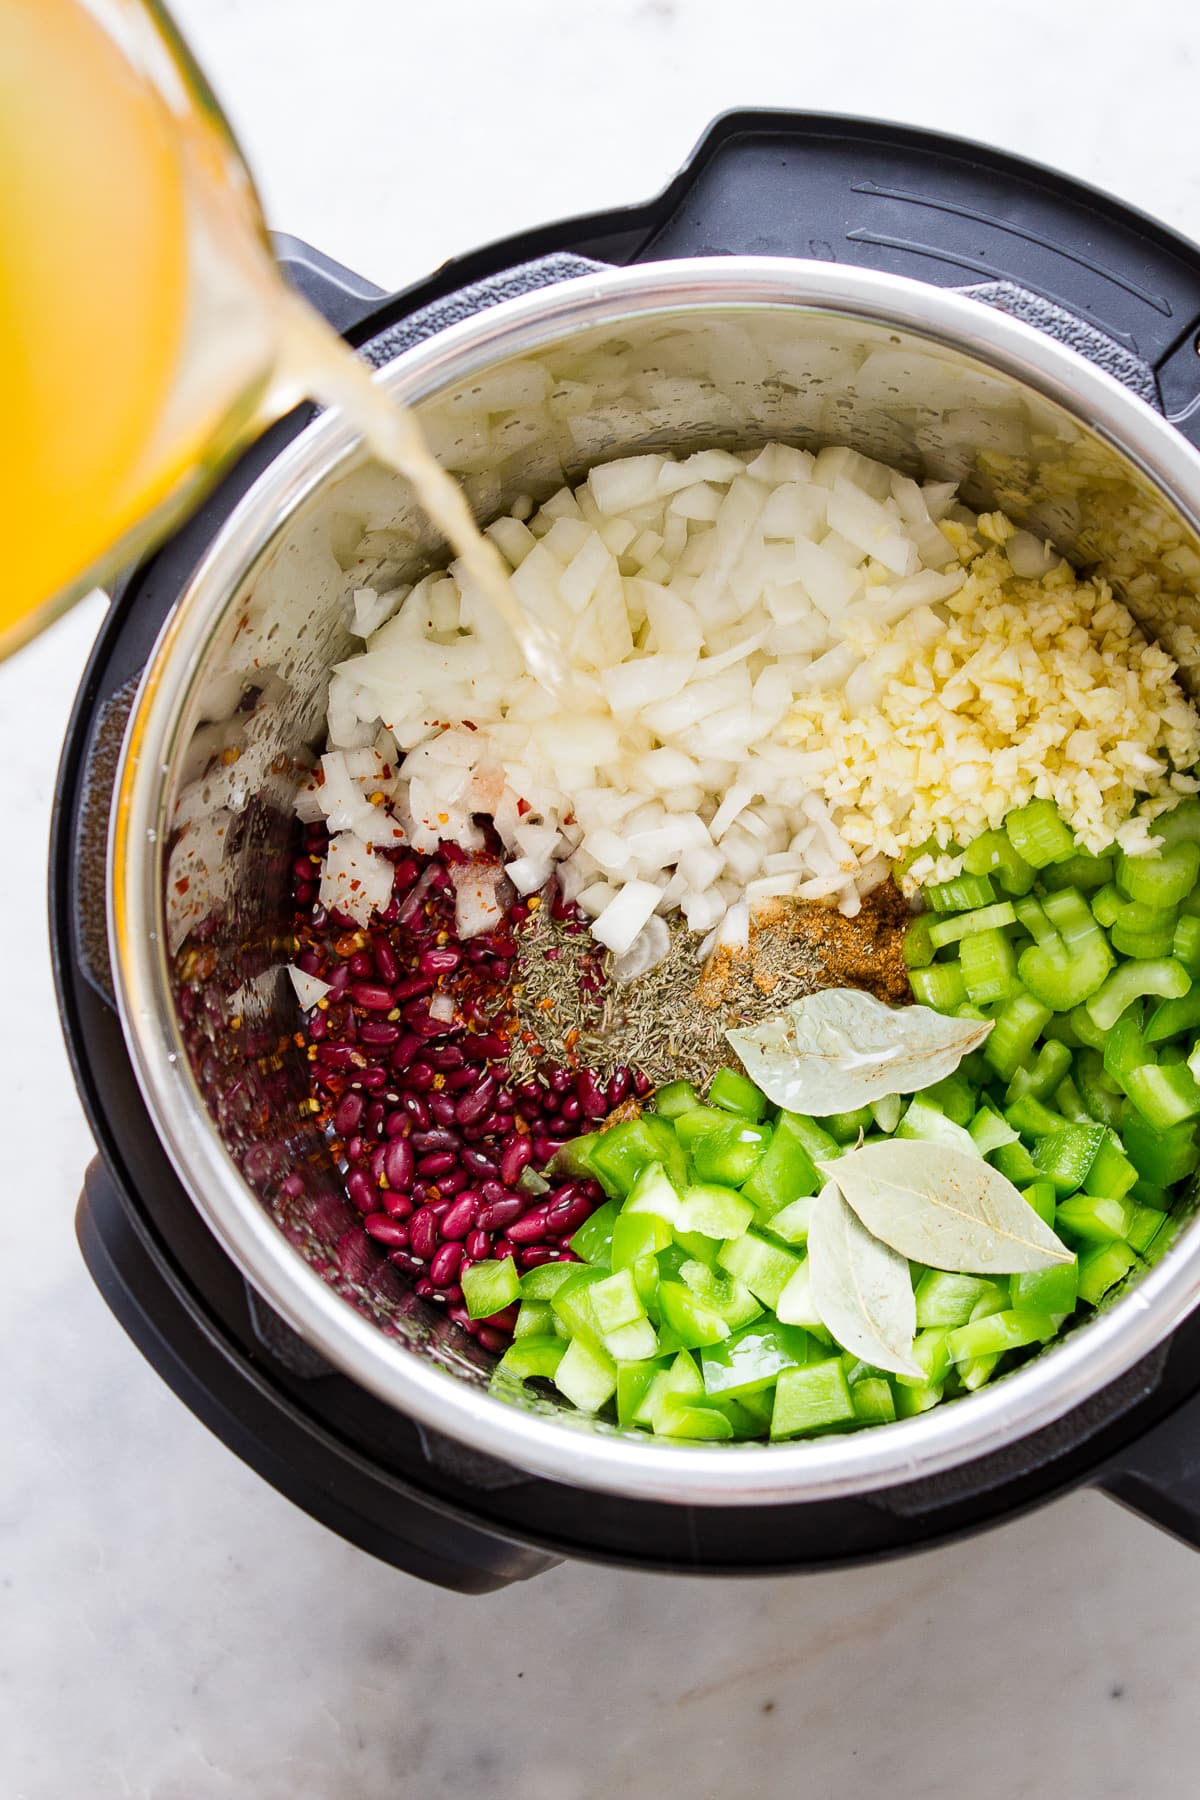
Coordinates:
[952,310]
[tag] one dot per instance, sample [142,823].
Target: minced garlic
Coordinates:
[1012,690]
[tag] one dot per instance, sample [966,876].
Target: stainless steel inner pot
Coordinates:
[231,710]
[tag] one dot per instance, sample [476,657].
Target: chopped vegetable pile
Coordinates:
[759,1271]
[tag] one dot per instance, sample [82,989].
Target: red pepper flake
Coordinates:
[183,884]
[468,726]
[523,807]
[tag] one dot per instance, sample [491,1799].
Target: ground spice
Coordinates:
[671,1022]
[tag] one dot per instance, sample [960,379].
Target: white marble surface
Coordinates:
[169,1628]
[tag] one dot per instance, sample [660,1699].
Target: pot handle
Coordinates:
[1158,1475]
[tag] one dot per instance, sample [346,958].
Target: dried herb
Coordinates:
[558,991]
[945,1208]
[840,1049]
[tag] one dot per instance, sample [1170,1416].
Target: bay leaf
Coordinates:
[839,1049]
[861,1290]
[945,1208]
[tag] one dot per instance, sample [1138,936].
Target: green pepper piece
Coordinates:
[736,1093]
[731,1156]
[1042,1077]
[1099,1093]
[874,1402]
[635,1235]
[680,1378]
[1065,1158]
[1111,1172]
[753,1358]
[763,1267]
[1069,1102]
[713,1211]
[1015,1162]
[989,1131]
[910,1401]
[954,1095]
[544,1282]
[1037,833]
[924,1119]
[999,1332]
[1054,1291]
[699,1122]
[946,1299]
[1164,1096]
[721,1293]
[694,1323]
[791,1222]
[1095,1217]
[675,1098]
[489,1286]
[1131,982]
[529,1358]
[992,853]
[1163,879]
[815,1139]
[678,1418]
[615,1301]
[1125,1048]
[633,1379]
[586,1376]
[786,1171]
[808,1398]
[653,1193]
[845,1128]
[1102,1269]
[1145,1223]
[1160,1157]
[1043,1199]
[626,1148]
[1032,1119]
[593,1240]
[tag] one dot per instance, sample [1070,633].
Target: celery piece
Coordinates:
[992,853]
[1054,1291]
[489,1286]
[1163,976]
[807,1399]
[1063,971]
[987,918]
[1185,947]
[1032,1119]
[1066,1157]
[1038,834]
[1015,1162]
[753,1359]
[586,1376]
[1095,1217]
[1101,1269]
[1111,1172]
[1108,905]
[1144,932]
[1171,1018]
[1088,1033]
[924,1119]
[1017,1028]
[1043,1076]
[1164,1096]
[675,1098]
[946,1299]
[963,894]
[954,1095]
[918,951]
[736,1093]
[1082,871]
[941,986]
[1069,1102]
[1163,879]
[1032,919]
[1125,1048]
[988,967]
[999,1332]
[1061,1030]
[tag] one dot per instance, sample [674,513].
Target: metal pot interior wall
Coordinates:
[254,718]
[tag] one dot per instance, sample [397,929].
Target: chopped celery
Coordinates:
[1064,970]
[1069,1102]
[1144,932]
[1099,1093]
[1043,1076]
[918,951]
[988,967]
[1132,981]
[987,918]
[1038,834]
[941,986]
[1172,1017]
[1032,1119]
[1125,1048]
[989,1131]
[962,894]
[1016,1030]
[1088,1033]
[1079,871]
[1014,1161]
[1185,947]
[1108,905]
[1163,879]
[1164,1096]
[992,853]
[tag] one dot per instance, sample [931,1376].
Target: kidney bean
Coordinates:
[478,1245]
[361,1190]
[404,1259]
[534,1255]
[478,1164]
[477,1101]
[425,1288]
[446,1057]
[590,1095]
[362,965]
[486,1046]
[399,1162]
[423,1233]
[425,1141]
[453,1182]
[441,1109]
[439,962]
[385,959]
[386,1230]
[396,1205]
[350,1110]
[445,1265]
[642,1084]
[406,872]
[568,1212]
[534,1225]
[458,1079]
[404,1051]
[462,1215]
[498,1215]
[417,1110]
[571,1109]
[375,1117]
[354,1148]
[504,1320]
[516,1153]
[396,1123]
[372,996]
[381,1034]
[419,1078]
[544,1147]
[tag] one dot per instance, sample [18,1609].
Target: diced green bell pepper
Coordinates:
[809,1398]
[633,1379]
[765,1268]
[911,1401]
[931,1353]
[1098,1091]
[1161,1157]
[544,1282]
[1041,1196]
[626,1148]
[694,1323]
[736,1093]
[1125,1048]
[1101,1269]
[785,1173]
[674,1098]
[678,1418]
[999,1332]
[795,1306]
[638,1234]
[713,1211]
[1032,1119]
[918,950]
[680,1378]
[535,1319]
[489,1286]
[616,1301]
[1065,1158]
[845,1128]
[1094,1217]
[989,1131]
[653,1193]
[730,1156]
[1111,1172]
[1145,1223]
[874,1402]
[1015,1162]
[1053,1291]
[791,1222]
[924,1119]
[721,1293]
[1042,1076]
[753,1358]
[593,1240]
[586,1376]
[530,1358]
